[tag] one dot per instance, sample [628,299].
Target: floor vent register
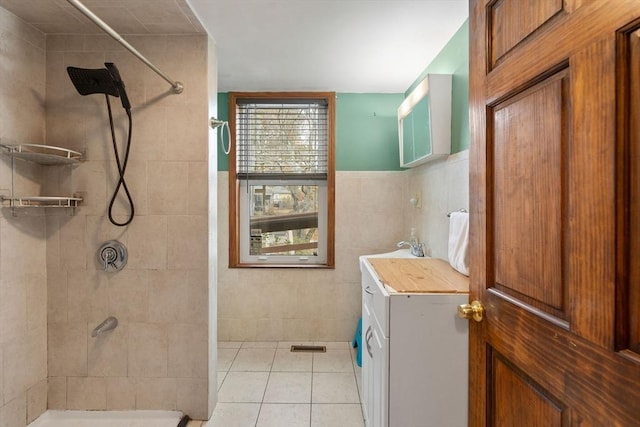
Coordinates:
[309,348]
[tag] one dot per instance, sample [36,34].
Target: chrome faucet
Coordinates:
[417,249]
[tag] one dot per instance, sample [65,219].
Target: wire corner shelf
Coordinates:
[42,154]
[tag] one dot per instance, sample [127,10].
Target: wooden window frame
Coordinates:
[234,185]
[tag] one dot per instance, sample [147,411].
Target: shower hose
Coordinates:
[122,166]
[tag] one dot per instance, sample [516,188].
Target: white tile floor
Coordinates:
[264,384]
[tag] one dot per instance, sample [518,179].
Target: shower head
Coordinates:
[102,80]
[117,80]
[90,81]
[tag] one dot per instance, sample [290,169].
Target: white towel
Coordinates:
[459,241]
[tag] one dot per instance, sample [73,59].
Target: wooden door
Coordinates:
[555,212]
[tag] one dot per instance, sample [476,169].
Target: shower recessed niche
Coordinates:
[46,155]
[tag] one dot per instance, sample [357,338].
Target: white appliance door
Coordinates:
[379,400]
[367,364]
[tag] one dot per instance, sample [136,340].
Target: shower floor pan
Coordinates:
[108,419]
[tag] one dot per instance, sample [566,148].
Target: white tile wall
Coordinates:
[23,275]
[373,214]
[311,305]
[444,186]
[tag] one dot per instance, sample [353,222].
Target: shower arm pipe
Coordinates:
[177,86]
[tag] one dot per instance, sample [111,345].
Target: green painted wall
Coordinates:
[366,131]
[454,59]
[366,123]
[223,114]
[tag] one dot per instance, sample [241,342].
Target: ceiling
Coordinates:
[338,45]
[375,46]
[124,16]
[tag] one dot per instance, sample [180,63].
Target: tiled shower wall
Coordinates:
[157,358]
[23,309]
[319,304]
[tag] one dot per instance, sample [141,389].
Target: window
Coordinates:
[281,179]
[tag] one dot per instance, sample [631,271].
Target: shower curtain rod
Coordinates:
[177,86]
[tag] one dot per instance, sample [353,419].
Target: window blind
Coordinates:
[282,140]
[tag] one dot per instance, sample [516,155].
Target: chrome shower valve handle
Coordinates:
[113,255]
[109,256]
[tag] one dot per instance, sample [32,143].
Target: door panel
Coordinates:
[592,192]
[534,404]
[555,212]
[513,20]
[631,85]
[528,168]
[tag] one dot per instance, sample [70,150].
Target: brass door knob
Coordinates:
[474,311]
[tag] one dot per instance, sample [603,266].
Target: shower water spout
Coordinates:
[108,324]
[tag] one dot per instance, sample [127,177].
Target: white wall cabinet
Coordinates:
[414,356]
[424,121]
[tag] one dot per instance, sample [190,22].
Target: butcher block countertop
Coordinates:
[422,275]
